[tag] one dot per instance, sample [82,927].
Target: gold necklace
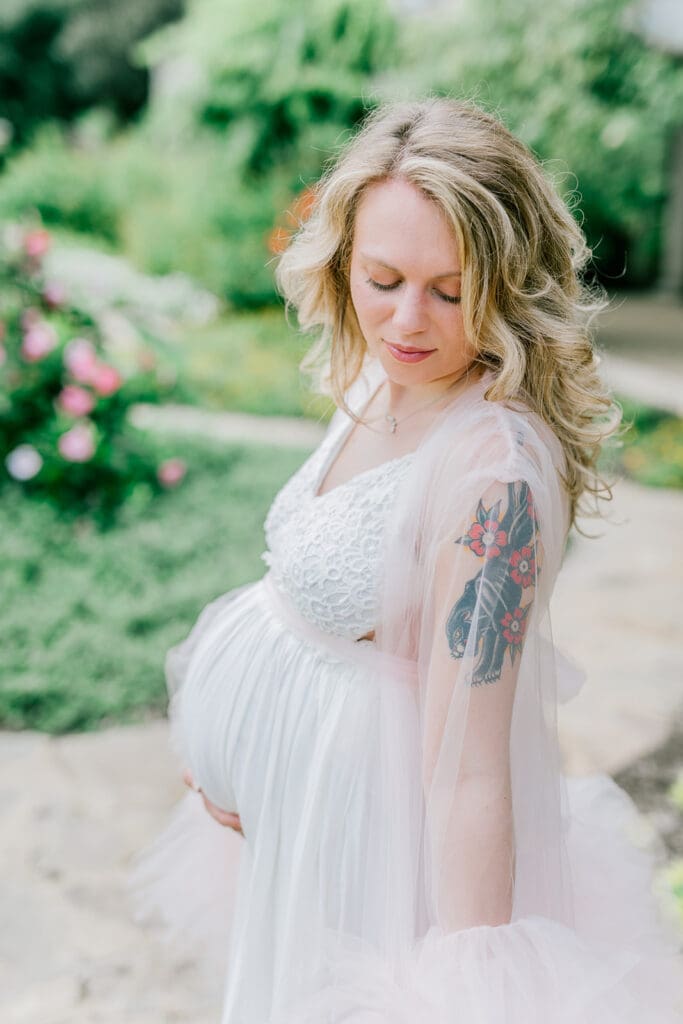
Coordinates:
[394,422]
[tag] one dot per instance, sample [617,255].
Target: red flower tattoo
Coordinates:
[487,538]
[523,566]
[514,624]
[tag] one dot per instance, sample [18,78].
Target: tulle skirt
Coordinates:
[280,723]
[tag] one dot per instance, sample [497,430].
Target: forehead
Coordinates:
[399,225]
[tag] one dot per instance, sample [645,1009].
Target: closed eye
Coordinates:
[391,287]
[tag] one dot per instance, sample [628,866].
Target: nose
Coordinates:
[410,315]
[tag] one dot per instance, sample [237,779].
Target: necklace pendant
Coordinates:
[392,422]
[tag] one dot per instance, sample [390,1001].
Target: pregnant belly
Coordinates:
[258,701]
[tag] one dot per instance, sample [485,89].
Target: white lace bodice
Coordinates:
[325,552]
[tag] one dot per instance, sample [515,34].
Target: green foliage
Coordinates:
[248,361]
[281,81]
[86,618]
[279,86]
[66,187]
[576,82]
[291,77]
[203,219]
[653,449]
[61,57]
[191,213]
[64,435]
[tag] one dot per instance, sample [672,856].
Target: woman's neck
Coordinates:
[401,399]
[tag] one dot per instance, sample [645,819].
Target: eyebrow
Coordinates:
[387,266]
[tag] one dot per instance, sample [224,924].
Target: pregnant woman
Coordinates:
[376,717]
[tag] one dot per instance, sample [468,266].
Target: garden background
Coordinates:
[155,157]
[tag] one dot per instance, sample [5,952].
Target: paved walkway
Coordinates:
[75,809]
[642,340]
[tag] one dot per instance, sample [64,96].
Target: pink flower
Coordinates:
[80,359]
[105,379]
[75,401]
[3,330]
[37,243]
[3,355]
[38,341]
[54,294]
[171,472]
[23,462]
[78,444]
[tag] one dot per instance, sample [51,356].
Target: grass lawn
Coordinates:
[85,618]
[248,362]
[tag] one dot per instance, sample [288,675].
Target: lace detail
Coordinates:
[325,551]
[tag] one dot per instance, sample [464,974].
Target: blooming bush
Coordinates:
[64,433]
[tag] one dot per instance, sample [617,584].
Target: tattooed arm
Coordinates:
[504,545]
[485,583]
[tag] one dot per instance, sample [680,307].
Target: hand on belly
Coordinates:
[222,817]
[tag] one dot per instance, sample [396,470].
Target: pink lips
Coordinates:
[409,355]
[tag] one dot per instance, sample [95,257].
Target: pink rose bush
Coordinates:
[23,462]
[171,472]
[38,341]
[78,443]
[75,401]
[106,380]
[64,430]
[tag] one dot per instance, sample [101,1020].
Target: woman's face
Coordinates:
[405,284]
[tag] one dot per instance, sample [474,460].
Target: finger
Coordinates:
[231,820]
[189,781]
[223,817]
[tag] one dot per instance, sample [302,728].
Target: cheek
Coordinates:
[370,306]
[450,320]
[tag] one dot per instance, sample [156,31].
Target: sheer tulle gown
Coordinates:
[275,709]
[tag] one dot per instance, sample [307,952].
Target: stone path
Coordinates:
[230,427]
[73,812]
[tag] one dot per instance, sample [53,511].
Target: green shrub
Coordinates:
[64,434]
[203,220]
[86,618]
[280,81]
[65,187]
[653,450]
[61,57]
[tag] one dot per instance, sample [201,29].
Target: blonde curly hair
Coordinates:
[524,303]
